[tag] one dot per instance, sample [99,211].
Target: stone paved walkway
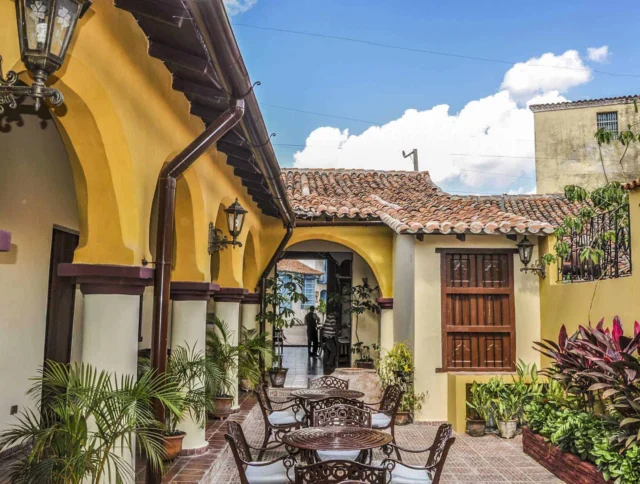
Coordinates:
[488,459]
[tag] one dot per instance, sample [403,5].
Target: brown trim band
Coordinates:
[457,250]
[192,291]
[107,278]
[5,240]
[251,298]
[230,294]
[385,302]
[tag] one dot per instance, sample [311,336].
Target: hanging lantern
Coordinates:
[525,252]
[235,219]
[45,29]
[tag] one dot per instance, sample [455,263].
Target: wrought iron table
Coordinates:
[320,393]
[311,439]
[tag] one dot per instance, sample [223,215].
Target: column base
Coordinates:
[203,449]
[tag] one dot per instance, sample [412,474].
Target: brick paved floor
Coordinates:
[488,459]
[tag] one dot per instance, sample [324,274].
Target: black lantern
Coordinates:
[45,28]
[525,251]
[235,221]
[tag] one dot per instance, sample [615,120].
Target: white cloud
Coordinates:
[598,54]
[235,7]
[487,147]
[546,73]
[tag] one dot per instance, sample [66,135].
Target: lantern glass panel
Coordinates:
[231,223]
[525,251]
[36,23]
[65,17]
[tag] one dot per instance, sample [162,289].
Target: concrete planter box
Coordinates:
[565,466]
[362,380]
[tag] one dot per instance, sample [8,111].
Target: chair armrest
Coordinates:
[268,447]
[267,463]
[294,406]
[287,400]
[411,451]
[397,462]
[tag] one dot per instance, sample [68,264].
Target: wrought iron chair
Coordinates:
[402,473]
[328,381]
[342,416]
[331,471]
[257,472]
[386,410]
[278,422]
[315,405]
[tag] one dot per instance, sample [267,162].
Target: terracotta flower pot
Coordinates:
[476,428]
[222,407]
[278,377]
[402,418]
[365,364]
[173,445]
[507,428]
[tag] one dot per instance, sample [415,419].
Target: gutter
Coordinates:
[165,238]
[212,25]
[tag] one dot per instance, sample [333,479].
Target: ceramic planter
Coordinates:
[507,428]
[476,428]
[403,418]
[222,407]
[173,445]
[278,377]
[365,364]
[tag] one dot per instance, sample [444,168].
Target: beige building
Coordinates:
[567,152]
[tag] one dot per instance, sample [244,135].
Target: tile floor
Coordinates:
[301,367]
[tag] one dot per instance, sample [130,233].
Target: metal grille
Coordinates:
[608,232]
[309,291]
[608,121]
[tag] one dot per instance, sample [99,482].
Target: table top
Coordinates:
[336,438]
[320,393]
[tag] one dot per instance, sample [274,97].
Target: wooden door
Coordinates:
[61,299]
[478,311]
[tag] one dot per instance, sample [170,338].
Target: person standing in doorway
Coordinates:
[312,320]
[330,344]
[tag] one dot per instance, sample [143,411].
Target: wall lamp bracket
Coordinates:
[10,92]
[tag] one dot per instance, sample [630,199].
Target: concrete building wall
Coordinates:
[36,193]
[404,274]
[428,331]
[567,152]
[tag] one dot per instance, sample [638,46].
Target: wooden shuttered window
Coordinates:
[478,312]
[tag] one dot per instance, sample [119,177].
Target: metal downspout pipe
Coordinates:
[165,240]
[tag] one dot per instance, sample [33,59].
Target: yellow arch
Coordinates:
[250,273]
[102,168]
[373,244]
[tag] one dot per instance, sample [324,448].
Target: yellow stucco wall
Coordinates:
[567,153]
[581,303]
[120,123]
[428,331]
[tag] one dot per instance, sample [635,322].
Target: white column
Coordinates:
[386,323]
[188,329]
[227,308]
[110,320]
[250,307]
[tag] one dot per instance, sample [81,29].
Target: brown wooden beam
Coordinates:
[238,163]
[249,174]
[160,12]
[188,87]
[204,112]
[178,57]
[233,150]
[234,138]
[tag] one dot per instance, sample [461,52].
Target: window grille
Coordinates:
[309,291]
[608,121]
[285,278]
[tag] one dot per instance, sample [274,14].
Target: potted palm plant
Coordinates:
[224,355]
[84,417]
[279,296]
[480,406]
[254,347]
[361,299]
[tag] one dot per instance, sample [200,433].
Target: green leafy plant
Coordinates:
[254,347]
[481,402]
[224,355]
[361,299]
[82,418]
[364,351]
[279,295]
[395,367]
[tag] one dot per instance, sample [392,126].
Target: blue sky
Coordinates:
[379,84]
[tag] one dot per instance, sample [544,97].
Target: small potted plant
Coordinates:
[480,406]
[224,356]
[506,407]
[361,299]
[396,367]
[280,294]
[365,359]
[411,401]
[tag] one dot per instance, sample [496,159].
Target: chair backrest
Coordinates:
[330,402]
[342,416]
[391,399]
[263,400]
[330,471]
[238,443]
[439,450]
[328,381]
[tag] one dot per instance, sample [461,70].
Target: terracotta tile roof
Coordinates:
[297,267]
[631,184]
[583,103]
[409,202]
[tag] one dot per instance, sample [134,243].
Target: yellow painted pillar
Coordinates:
[386,322]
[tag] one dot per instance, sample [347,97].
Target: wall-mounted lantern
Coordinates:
[525,251]
[235,221]
[45,28]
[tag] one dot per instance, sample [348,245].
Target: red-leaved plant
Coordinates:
[601,365]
